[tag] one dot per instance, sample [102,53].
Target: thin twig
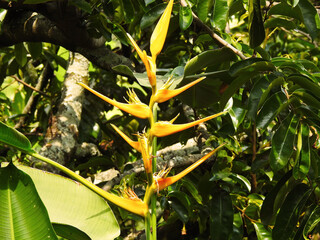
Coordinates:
[29,86]
[221,42]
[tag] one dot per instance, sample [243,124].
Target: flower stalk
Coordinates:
[146,142]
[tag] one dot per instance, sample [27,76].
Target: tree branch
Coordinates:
[220,41]
[29,26]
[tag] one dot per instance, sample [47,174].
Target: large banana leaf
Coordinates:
[70,203]
[22,213]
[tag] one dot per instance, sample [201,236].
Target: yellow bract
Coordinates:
[162,129]
[160,32]
[163,182]
[137,109]
[164,94]
[133,144]
[145,152]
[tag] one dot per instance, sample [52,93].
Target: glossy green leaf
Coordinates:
[237,114]
[270,109]
[245,71]
[279,22]
[237,67]
[71,203]
[12,137]
[242,180]
[256,27]
[290,211]
[23,215]
[185,17]
[261,232]
[180,202]
[303,162]
[283,142]
[221,215]
[306,83]
[191,188]
[69,232]
[303,221]
[312,222]
[286,10]
[35,49]
[147,2]
[152,16]
[81,4]
[203,9]
[219,14]
[257,90]
[208,58]
[267,209]
[309,14]
[20,53]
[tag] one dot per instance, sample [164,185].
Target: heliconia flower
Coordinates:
[135,107]
[161,181]
[133,144]
[165,128]
[136,205]
[165,94]
[145,152]
[160,32]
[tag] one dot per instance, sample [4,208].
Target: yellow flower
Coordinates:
[165,94]
[164,128]
[161,181]
[133,144]
[145,152]
[156,44]
[160,32]
[135,107]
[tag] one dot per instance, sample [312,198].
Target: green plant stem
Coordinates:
[154,216]
[147,222]
[153,205]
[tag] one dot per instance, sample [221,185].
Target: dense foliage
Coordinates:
[260,60]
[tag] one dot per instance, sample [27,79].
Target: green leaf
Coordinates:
[185,17]
[267,210]
[256,27]
[290,211]
[285,10]
[12,137]
[242,180]
[262,233]
[221,215]
[220,14]
[82,4]
[270,109]
[309,14]
[203,9]
[312,222]
[152,16]
[35,49]
[23,215]
[279,22]
[180,202]
[306,83]
[283,142]
[20,53]
[192,189]
[208,58]
[147,2]
[257,90]
[302,166]
[71,203]
[252,66]
[69,232]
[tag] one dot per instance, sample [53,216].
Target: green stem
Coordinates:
[154,216]
[147,222]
